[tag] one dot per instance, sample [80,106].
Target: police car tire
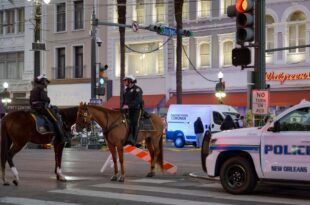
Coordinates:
[240,169]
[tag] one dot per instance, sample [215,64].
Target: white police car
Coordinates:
[278,151]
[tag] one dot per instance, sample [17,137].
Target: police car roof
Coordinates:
[303,103]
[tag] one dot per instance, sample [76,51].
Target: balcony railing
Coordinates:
[68,72]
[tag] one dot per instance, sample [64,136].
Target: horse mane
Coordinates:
[104,109]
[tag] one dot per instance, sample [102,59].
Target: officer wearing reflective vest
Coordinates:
[133,102]
[40,102]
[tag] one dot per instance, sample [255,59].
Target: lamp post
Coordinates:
[37,36]
[5,96]
[220,88]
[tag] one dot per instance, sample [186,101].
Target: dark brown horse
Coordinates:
[115,130]
[18,128]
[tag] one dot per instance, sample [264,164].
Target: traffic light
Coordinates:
[101,80]
[241,56]
[220,87]
[243,10]
[186,33]
[245,21]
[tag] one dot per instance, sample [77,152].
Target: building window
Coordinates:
[269,32]
[10,20]
[11,65]
[78,62]
[61,17]
[140,11]
[21,20]
[204,8]
[160,11]
[1,22]
[143,62]
[297,31]
[225,4]
[184,57]
[78,15]
[185,12]
[227,52]
[205,55]
[61,63]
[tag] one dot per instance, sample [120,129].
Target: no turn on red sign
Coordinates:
[260,102]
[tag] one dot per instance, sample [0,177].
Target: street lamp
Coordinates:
[5,96]
[37,46]
[220,88]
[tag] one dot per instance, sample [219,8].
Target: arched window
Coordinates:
[297,31]
[227,49]
[269,32]
[205,55]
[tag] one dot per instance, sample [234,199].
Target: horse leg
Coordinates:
[114,158]
[58,149]
[152,155]
[120,151]
[13,150]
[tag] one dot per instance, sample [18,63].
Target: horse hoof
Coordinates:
[6,184]
[61,178]
[150,174]
[113,178]
[121,179]
[15,182]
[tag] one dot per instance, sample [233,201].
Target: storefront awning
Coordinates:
[277,98]
[150,101]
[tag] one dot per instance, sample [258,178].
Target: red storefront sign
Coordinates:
[282,77]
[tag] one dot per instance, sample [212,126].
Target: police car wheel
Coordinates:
[238,176]
[179,142]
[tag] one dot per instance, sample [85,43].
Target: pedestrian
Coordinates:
[199,130]
[241,121]
[228,123]
[133,102]
[40,102]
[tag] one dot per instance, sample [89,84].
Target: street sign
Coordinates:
[260,102]
[135,26]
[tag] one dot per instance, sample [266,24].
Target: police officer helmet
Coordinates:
[41,78]
[130,78]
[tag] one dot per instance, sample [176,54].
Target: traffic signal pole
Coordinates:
[93,55]
[260,62]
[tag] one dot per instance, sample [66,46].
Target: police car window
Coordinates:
[217,118]
[298,120]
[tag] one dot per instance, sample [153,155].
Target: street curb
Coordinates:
[206,177]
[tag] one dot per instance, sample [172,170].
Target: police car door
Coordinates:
[286,152]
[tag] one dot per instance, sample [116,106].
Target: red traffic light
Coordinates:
[243,6]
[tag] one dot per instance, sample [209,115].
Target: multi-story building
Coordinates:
[15,64]
[152,59]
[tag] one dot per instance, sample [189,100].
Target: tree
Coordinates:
[178,8]
[121,10]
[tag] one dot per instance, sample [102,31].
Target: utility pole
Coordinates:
[94,24]
[260,61]
[37,38]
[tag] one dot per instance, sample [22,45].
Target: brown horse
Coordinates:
[18,128]
[115,130]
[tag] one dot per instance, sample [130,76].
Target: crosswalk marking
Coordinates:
[133,197]
[206,193]
[27,201]
[153,181]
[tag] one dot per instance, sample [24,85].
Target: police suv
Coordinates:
[278,151]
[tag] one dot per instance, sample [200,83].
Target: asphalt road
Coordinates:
[87,185]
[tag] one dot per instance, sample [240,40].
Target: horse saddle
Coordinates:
[43,125]
[145,124]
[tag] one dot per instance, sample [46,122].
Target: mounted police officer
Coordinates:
[133,101]
[40,102]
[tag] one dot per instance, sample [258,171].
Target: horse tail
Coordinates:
[160,156]
[4,144]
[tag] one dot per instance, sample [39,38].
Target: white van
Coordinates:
[180,121]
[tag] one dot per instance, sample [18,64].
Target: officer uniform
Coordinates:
[40,101]
[133,99]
